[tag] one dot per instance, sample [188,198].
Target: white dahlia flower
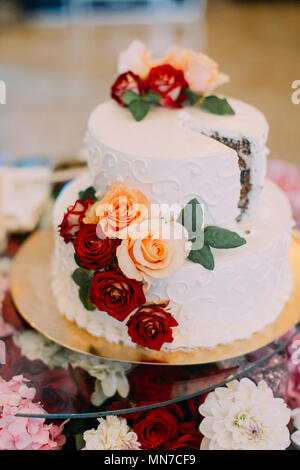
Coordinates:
[244,416]
[113,433]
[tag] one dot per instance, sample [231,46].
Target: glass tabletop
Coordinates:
[72,385]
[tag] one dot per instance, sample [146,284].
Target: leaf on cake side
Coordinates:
[221,238]
[77,260]
[88,192]
[191,217]
[83,278]
[203,257]
[84,295]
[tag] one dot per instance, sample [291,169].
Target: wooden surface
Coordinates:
[56,76]
[31,290]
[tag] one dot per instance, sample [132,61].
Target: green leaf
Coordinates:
[139,109]
[191,217]
[217,105]
[82,277]
[79,441]
[203,257]
[221,238]
[77,260]
[129,96]
[192,96]
[89,192]
[84,295]
[152,97]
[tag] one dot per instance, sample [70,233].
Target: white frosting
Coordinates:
[170,159]
[211,307]
[247,122]
[169,162]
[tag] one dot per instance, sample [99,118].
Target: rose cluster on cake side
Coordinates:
[122,244]
[181,77]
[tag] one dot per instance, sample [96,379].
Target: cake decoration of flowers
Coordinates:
[123,243]
[181,77]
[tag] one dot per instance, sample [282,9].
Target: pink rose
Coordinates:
[135,58]
[201,73]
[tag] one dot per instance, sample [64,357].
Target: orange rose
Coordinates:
[118,210]
[154,249]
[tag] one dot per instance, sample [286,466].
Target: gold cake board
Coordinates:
[31,290]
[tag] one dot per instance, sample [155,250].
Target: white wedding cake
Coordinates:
[164,140]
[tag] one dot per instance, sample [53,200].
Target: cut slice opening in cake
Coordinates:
[246,133]
[243,150]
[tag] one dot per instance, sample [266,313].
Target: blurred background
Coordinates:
[58,59]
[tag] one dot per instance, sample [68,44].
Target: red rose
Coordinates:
[124,405]
[169,83]
[57,391]
[185,441]
[70,225]
[114,293]
[151,326]
[91,251]
[125,82]
[156,427]
[155,384]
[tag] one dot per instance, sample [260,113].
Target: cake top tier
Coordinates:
[174,133]
[162,134]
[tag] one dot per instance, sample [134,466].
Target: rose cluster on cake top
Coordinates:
[181,77]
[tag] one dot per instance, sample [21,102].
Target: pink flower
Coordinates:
[200,71]
[15,391]
[21,433]
[292,389]
[287,177]
[135,58]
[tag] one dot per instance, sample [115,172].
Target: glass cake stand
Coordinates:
[66,392]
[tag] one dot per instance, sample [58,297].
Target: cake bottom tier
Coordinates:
[247,290]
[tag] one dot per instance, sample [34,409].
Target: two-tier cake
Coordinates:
[132,262]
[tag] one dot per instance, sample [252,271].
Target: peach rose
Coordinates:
[201,72]
[154,249]
[120,207]
[135,58]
